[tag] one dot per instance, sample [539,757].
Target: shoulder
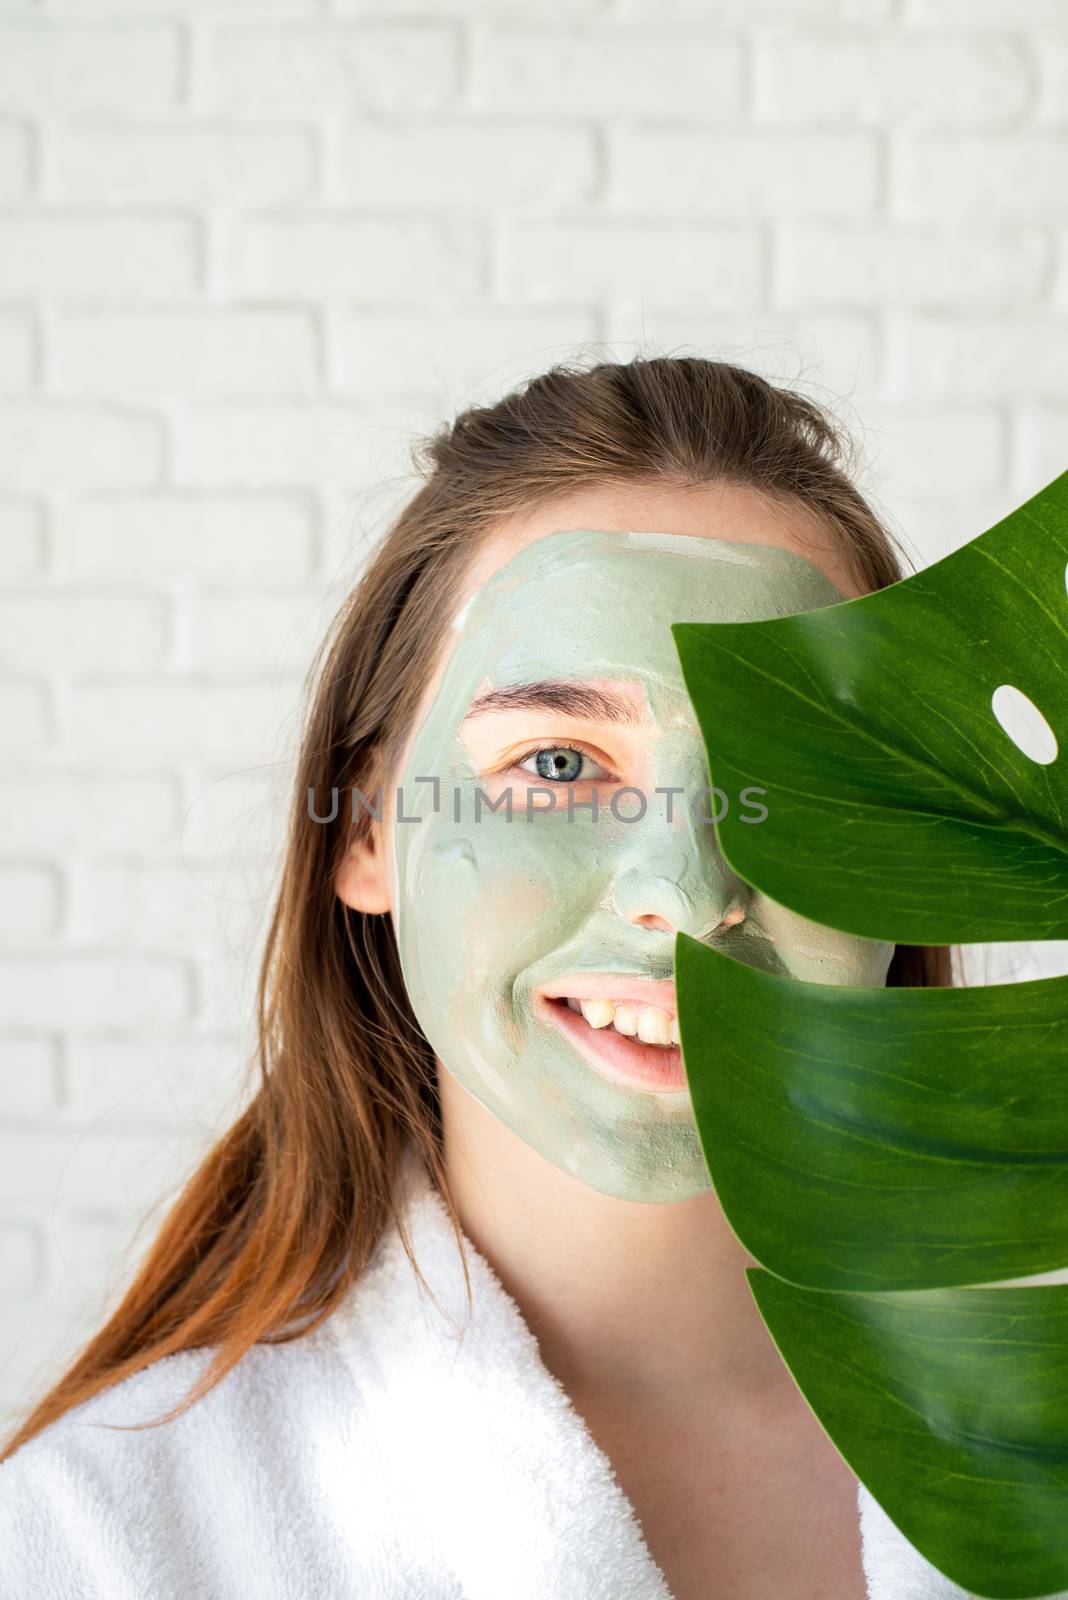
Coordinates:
[98,1504]
[265,1389]
[290,1477]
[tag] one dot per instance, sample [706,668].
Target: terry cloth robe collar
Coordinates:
[510,1485]
[377,1457]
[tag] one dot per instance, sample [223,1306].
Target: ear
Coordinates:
[362,879]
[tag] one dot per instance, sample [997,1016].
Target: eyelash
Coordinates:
[572,744]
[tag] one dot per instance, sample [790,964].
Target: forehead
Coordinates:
[587,603]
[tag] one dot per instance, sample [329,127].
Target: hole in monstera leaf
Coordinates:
[1024,723]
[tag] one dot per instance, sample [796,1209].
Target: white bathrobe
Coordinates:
[377,1458]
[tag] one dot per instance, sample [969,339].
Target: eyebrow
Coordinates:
[560,695]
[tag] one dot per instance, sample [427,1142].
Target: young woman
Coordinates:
[452,1309]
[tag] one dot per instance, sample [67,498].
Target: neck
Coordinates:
[622,1297]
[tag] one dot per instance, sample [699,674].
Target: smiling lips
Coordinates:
[628,1039]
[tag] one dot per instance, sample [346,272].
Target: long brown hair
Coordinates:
[282,1215]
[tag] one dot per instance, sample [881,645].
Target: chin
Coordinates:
[641,1180]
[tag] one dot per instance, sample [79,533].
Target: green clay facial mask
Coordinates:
[490,911]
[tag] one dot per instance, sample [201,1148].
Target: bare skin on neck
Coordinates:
[644,1315]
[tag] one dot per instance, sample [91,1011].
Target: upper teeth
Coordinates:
[651,1025]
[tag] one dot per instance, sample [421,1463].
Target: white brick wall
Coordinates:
[248,248]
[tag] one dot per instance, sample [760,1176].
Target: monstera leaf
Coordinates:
[879,1151]
[901,808]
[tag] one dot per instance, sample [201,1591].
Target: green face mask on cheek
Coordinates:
[488,911]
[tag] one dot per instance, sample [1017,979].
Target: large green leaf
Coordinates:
[889,1140]
[880,1138]
[949,1406]
[869,724]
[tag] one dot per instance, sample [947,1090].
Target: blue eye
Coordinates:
[559,763]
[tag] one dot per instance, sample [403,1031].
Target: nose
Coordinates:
[672,885]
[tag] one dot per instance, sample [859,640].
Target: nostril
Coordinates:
[734,914]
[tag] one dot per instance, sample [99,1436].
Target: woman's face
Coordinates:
[558,689]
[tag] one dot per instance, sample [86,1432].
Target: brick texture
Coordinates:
[250,250]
